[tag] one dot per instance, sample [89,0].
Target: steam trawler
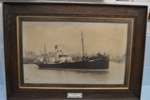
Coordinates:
[62,60]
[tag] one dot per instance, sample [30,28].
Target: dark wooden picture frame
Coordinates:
[16,13]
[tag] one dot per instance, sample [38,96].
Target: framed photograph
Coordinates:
[74,50]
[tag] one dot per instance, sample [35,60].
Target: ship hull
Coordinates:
[100,63]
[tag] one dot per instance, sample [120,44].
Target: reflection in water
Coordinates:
[115,75]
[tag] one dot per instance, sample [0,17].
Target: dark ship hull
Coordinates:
[99,63]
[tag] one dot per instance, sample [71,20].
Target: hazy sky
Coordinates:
[110,38]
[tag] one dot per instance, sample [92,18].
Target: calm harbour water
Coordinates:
[115,75]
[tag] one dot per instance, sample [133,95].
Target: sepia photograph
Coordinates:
[74,52]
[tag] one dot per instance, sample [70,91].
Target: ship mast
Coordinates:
[82,40]
[45,49]
[45,53]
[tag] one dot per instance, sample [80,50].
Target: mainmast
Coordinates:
[82,40]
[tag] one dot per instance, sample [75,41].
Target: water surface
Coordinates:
[114,75]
